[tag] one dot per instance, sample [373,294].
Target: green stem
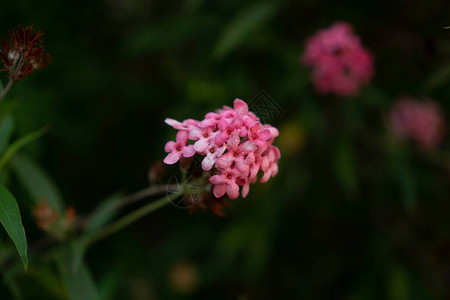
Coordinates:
[128,219]
[6,89]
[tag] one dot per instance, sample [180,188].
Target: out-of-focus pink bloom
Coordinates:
[341,65]
[233,142]
[421,121]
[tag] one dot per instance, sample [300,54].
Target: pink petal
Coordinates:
[172,158]
[188,151]
[169,146]
[195,133]
[240,106]
[245,189]
[223,125]
[242,167]
[250,159]
[233,142]
[217,179]
[225,161]
[264,134]
[201,145]
[208,162]
[220,190]
[259,143]
[182,137]
[175,124]
[247,147]
[232,190]
[266,177]
[207,123]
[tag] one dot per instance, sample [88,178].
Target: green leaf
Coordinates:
[77,251]
[79,284]
[19,144]
[107,210]
[11,220]
[36,181]
[6,130]
[242,27]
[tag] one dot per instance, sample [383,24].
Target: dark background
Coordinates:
[351,215]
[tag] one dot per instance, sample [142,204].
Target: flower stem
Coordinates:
[128,219]
[6,89]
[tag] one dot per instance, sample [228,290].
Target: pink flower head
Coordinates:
[421,121]
[341,65]
[234,145]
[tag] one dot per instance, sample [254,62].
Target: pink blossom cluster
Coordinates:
[421,121]
[341,65]
[234,145]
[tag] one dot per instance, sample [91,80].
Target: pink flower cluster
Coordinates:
[341,65]
[233,142]
[421,121]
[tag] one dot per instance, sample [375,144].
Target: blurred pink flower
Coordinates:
[232,140]
[421,121]
[341,65]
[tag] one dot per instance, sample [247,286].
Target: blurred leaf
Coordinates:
[14,288]
[398,284]
[6,130]
[77,251]
[11,220]
[47,278]
[242,27]
[109,284]
[36,181]
[79,284]
[345,167]
[19,144]
[107,210]
[1,86]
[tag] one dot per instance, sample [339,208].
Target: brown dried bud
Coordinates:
[22,53]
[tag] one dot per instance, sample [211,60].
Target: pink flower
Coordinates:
[236,155]
[421,121]
[341,65]
[234,145]
[226,183]
[178,149]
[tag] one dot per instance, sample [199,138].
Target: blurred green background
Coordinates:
[351,214]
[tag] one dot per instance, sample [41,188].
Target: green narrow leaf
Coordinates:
[11,220]
[79,284]
[77,251]
[19,144]
[6,130]
[242,27]
[36,181]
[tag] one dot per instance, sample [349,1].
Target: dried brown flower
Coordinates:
[23,52]
[46,217]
